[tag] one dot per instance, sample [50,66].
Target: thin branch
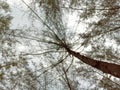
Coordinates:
[70,65]
[52,66]
[111,30]
[40,53]
[73,8]
[40,18]
[67,79]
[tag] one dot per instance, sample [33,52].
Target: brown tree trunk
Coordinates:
[105,67]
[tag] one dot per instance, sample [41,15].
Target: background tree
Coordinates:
[49,61]
[14,71]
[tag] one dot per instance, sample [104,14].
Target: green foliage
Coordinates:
[51,8]
[5,17]
[4,6]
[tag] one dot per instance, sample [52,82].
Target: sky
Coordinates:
[19,13]
[21,19]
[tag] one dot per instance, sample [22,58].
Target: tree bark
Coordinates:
[105,67]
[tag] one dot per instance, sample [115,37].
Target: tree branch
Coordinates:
[105,67]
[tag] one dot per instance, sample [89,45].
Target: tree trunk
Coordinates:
[109,68]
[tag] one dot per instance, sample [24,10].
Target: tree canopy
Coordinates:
[59,54]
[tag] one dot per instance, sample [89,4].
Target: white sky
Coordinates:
[19,13]
[16,1]
[21,19]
